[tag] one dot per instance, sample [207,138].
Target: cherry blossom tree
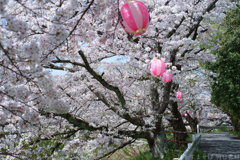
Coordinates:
[185,112]
[89,113]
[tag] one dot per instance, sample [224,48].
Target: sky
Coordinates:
[112,59]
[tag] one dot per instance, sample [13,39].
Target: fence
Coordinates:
[187,155]
[178,133]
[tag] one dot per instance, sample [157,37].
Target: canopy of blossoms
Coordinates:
[78,114]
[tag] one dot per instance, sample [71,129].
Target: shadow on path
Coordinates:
[222,146]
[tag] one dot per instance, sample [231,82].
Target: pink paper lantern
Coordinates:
[181,114]
[156,67]
[167,76]
[179,95]
[134,17]
[180,100]
[186,115]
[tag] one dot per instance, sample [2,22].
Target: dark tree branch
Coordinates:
[102,81]
[134,120]
[82,125]
[195,26]
[154,96]
[68,61]
[71,32]
[175,28]
[52,66]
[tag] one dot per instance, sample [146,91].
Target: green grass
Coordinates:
[235,133]
[217,130]
[221,130]
[198,155]
[142,152]
[173,152]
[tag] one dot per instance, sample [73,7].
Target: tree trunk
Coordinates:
[158,143]
[193,122]
[179,126]
[235,126]
[177,123]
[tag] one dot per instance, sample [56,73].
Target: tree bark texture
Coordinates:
[193,122]
[158,143]
[235,125]
[177,122]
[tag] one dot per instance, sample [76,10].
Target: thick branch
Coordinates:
[134,120]
[195,26]
[51,66]
[102,81]
[154,96]
[175,28]
[77,122]
[68,61]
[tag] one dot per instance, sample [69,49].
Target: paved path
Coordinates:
[222,146]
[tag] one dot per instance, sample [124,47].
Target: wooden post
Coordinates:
[173,138]
[199,118]
[178,134]
[179,138]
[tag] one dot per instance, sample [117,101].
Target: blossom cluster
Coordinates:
[31,51]
[58,34]
[2,6]
[96,99]
[16,25]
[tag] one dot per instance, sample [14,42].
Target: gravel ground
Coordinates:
[222,146]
